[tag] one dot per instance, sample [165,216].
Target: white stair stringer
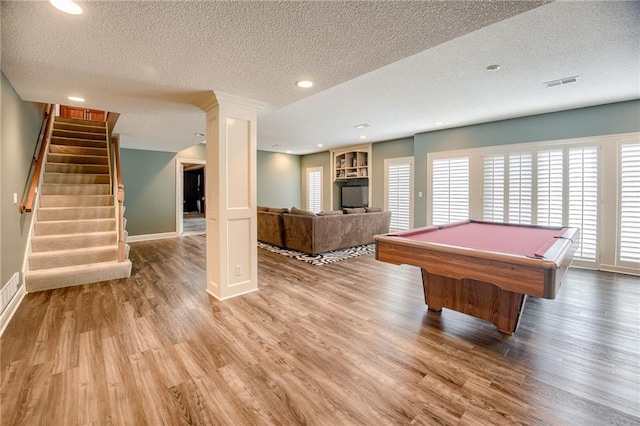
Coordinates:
[74,239]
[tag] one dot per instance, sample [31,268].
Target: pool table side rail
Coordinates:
[521,274]
[539,262]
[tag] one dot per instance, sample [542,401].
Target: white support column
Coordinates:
[232,254]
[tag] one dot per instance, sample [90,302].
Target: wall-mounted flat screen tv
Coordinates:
[355,196]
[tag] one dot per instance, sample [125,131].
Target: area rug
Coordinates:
[322,258]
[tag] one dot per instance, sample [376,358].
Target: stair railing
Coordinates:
[39,152]
[118,187]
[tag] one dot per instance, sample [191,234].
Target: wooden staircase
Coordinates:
[75,237]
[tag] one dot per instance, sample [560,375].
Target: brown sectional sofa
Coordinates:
[270,226]
[315,234]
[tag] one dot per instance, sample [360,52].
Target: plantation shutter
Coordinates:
[629,249]
[583,199]
[314,189]
[520,181]
[550,188]
[450,190]
[493,191]
[399,195]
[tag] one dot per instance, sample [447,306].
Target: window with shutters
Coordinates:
[590,183]
[583,199]
[493,195]
[629,228]
[449,190]
[520,181]
[398,192]
[550,188]
[314,189]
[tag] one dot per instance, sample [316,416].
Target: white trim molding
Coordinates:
[151,237]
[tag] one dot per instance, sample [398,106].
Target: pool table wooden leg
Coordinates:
[477,298]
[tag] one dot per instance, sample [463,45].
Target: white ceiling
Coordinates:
[400,66]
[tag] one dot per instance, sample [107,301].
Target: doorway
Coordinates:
[190,199]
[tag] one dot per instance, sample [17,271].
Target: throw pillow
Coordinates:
[374,209]
[330,213]
[301,212]
[278,210]
[354,210]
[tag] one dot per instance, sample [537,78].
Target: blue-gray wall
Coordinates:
[149,179]
[381,151]
[279,179]
[20,126]
[622,117]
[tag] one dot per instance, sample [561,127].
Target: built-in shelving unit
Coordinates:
[352,163]
[351,166]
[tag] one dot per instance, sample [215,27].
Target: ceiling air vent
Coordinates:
[560,81]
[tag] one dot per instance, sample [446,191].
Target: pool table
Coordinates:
[484,269]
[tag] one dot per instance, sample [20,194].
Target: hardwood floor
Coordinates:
[347,343]
[194,223]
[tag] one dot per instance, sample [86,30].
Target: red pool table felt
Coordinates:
[500,238]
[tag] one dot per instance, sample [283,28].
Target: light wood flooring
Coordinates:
[194,223]
[349,343]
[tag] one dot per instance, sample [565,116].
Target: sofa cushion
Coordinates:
[295,210]
[354,210]
[262,209]
[278,210]
[374,209]
[330,213]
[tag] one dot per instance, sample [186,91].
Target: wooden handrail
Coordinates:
[43,139]
[116,146]
[120,197]
[112,119]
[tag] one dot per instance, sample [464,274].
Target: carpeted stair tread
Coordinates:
[76,168]
[79,134]
[76,200]
[67,141]
[81,127]
[43,243]
[67,276]
[74,227]
[77,150]
[80,121]
[72,257]
[75,189]
[75,213]
[77,158]
[76,178]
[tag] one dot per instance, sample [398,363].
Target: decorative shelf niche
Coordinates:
[352,163]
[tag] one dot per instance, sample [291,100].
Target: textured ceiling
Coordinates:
[397,65]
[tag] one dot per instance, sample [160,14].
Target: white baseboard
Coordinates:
[12,295]
[150,237]
[619,269]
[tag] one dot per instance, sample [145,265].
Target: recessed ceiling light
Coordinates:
[305,84]
[363,137]
[438,123]
[362,126]
[494,67]
[199,134]
[320,145]
[76,99]
[288,152]
[67,6]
